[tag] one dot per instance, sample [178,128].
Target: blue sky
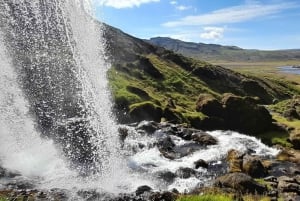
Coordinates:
[252,24]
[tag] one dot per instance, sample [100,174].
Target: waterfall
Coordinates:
[56,123]
[54,92]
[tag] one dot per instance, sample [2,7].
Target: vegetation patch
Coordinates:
[206,197]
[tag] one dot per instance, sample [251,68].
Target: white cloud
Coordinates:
[212,33]
[183,7]
[124,3]
[233,14]
[173,2]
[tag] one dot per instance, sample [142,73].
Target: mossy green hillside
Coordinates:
[173,82]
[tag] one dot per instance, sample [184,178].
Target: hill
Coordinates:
[214,52]
[152,83]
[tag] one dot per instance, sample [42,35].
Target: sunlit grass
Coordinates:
[207,197]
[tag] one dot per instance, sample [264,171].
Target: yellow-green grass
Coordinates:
[206,197]
[268,68]
[222,197]
[290,123]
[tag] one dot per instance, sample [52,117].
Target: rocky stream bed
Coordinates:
[176,160]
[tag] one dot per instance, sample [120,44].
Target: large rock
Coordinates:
[254,167]
[245,116]
[295,138]
[209,105]
[145,111]
[185,172]
[240,182]
[288,184]
[203,138]
[235,160]
[289,155]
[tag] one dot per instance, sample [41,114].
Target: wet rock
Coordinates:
[169,154]
[142,189]
[253,167]
[203,138]
[166,176]
[185,172]
[201,163]
[20,183]
[123,133]
[240,182]
[165,143]
[148,126]
[165,146]
[163,196]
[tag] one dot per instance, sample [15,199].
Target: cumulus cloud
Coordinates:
[212,33]
[124,3]
[183,7]
[233,14]
[173,2]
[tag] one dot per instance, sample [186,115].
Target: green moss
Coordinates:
[275,137]
[206,197]
[290,123]
[136,105]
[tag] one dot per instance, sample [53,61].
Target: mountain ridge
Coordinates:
[213,52]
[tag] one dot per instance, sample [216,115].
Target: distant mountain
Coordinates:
[214,52]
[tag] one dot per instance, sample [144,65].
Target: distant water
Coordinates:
[290,70]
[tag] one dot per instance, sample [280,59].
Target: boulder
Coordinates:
[288,184]
[203,138]
[235,160]
[148,126]
[185,172]
[142,189]
[240,182]
[201,163]
[163,196]
[172,116]
[145,111]
[166,176]
[209,105]
[245,116]
[289,155]
[165,143]
[294,138]
[253,166]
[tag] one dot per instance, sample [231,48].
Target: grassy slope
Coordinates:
[184,79]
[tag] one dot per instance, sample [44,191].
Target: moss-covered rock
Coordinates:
[245,116]
[209,105]
[240,182]
[145,111]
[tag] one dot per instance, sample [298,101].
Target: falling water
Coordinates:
[54,95]
[56,125]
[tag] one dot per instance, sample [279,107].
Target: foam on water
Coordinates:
[212,154]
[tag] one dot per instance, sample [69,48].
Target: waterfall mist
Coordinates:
[55,103]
